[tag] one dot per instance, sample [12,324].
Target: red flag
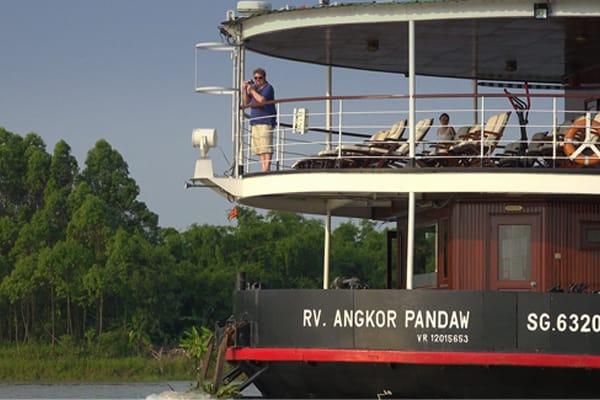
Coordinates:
[232,213]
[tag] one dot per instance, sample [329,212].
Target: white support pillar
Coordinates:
[410,241]
[327,241]
[410,234]
[326,251]
[411,88]
[328,108]
[238,139]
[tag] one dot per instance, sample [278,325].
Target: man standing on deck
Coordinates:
[262,117]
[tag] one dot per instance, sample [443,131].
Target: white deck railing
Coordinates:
[354,119]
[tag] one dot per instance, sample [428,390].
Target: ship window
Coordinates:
[590,235]
[425,256]
[514,255]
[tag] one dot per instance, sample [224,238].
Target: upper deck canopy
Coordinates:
[484,39]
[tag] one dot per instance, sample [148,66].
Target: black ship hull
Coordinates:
[368,380]
[418,344]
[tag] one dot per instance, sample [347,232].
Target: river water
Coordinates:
[177,390]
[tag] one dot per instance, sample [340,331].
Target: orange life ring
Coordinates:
[577,134]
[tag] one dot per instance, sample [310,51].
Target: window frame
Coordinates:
[584,227]
[428,279]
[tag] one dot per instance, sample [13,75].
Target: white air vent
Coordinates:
[253,7]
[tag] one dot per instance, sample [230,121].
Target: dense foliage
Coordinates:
[82,259]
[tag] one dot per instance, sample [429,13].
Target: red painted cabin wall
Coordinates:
[470,235]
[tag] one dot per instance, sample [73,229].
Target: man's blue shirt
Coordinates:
[267,111]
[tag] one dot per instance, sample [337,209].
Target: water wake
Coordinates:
[173,395]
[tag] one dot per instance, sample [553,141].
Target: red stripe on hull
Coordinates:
[413,357]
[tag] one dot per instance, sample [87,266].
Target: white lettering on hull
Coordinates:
[374,318]
[311,318]
[365,318]
[436,319]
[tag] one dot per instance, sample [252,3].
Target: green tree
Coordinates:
[13,168]
[63,167]
[297,250]
[38,164]
[19,287]
[143,283]
[208,277]
[59,187]
[92,225]
[107,176]
[359,251]
[9,232]
[62,268]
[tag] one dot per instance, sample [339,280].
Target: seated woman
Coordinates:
[445,135]
[445,138]
[445,132]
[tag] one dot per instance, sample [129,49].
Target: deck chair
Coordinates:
[396,157]
[510,156]
[480,144]
[535,149]
[544,148]
[357,155]
[331,158]
[538,140]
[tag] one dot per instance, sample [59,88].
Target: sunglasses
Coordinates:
[259,78]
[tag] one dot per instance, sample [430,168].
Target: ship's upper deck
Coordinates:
[325,157]
[476,39]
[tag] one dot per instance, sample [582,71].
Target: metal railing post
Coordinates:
[340,126]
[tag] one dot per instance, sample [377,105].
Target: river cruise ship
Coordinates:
[494,263]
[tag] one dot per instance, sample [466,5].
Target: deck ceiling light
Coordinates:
[540,10]
[204,139]
[510,65]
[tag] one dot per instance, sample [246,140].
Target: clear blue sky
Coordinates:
[123,71]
